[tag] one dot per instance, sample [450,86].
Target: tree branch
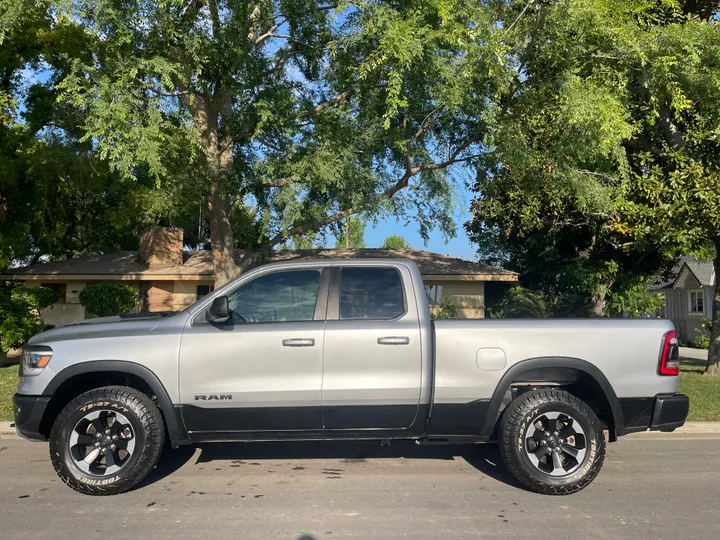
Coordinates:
[270,33]
[335,100]
[402,183]
[215,17]
[505,33]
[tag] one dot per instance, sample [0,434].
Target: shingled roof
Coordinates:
[702,270]
[196,265]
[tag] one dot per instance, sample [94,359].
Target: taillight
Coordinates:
[670,357]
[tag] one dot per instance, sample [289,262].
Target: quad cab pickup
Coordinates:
[339,349]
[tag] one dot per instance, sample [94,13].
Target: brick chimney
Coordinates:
[161,247]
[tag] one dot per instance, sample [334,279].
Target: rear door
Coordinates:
[372,364]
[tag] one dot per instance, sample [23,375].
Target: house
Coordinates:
[169,278]
[688,293]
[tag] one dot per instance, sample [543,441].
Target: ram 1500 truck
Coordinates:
[342,349]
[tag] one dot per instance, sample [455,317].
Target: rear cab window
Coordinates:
[371,293]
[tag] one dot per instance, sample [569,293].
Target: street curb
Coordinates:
[690,428]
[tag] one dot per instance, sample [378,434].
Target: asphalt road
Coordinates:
[652,487]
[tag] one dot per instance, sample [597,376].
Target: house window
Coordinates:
[59,288]
[204,290]
[434,294]
[697,304]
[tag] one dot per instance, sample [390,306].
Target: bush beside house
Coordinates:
[108,299]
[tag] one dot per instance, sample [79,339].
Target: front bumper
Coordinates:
[29,411]
[669,412]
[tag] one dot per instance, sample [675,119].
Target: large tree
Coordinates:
[58,198]
[608,163]
[288,116]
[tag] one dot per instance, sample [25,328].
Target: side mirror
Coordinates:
[218,311]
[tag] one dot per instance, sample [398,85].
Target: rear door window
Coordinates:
[371,293]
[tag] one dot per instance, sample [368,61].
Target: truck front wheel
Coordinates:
[552,442]
[107,440]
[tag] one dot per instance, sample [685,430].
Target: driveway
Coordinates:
[652,487]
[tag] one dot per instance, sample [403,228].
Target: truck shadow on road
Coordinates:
[485,458]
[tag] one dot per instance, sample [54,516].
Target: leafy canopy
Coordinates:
[607,165]
[395,241]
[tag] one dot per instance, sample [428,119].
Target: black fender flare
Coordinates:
[552,362]
[173,420]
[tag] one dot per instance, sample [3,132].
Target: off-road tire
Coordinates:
[514,424]
[147,425]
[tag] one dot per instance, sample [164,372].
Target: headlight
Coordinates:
[34,359]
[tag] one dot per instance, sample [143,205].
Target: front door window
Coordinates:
[277,297]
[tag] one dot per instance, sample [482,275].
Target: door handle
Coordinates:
[298,342]
[393,340]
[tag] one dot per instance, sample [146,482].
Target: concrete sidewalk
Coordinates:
[690,428]
[696,354]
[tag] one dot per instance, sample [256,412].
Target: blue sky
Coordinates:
[460,246]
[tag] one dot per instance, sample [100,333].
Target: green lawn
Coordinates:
[704,392]
[8,386]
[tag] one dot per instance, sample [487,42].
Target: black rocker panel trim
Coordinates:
[552,362]
[454,419]
[251,418]
[370,416]
[244,423]
[173,420]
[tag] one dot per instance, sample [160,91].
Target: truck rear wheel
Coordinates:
[107,440]
[552,442]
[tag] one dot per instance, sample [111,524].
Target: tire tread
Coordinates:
[512,416]
[153,426]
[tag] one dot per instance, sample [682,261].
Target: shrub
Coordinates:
[105,300]
[20,313]
[702,341]
[444,310]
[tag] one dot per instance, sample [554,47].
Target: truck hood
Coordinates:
[116,326]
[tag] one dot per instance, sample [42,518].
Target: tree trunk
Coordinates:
[713,362]
[220,162]
[221,236]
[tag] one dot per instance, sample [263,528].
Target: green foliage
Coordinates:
[702,340]
[607,166]
[522,303]
[444,310]
[351,234]
[110,299]
[19,313]
[634,301]
[395,241]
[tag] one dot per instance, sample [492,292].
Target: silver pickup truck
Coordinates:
[339,349]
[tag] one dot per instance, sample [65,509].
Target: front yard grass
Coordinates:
[8,386]
[704,392]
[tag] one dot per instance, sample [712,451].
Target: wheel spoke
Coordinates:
[540,451]
[113,434]
[85,439]
[99,424]
[92,456]
[556,455]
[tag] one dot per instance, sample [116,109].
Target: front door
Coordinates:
[262,370]
[373,365]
